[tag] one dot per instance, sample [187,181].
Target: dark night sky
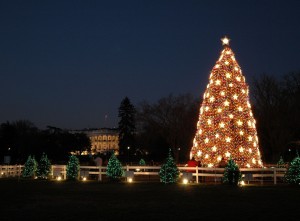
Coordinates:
[70,63]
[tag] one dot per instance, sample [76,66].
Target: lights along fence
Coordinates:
[198,174]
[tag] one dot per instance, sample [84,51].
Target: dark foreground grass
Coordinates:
[51,200]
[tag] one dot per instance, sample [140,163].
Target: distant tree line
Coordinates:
[171,121]
[22,138]
[277,111]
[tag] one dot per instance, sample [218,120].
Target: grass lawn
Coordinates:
[92,200]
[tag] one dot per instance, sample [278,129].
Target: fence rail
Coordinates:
[198,174]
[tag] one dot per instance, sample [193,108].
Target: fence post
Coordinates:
[275,174]
[65,172]
[197,178]
[100,174]
[127,169]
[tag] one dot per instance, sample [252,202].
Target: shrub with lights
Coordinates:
[44,167]
[114,169]
[30,167]
[226,126]
[292,175]
[169,172]
[73,167]
[232,174]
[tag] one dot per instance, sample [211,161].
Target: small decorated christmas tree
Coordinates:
[30,167]
[73,167]
[232,174]
[114,168]
[142,162]
[44,167]
[169,172]
[281,163]
[292,175]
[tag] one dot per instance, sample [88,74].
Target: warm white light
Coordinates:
[199,153]
[243,91]
[219,110]
[250,150]
[243,183]
[218,82]
[206,156]
[241,149]
[219,158]
[230,116]
[130,180]
[230,85]
[212,99]
[227,154]
[217,135]
[214,149]
[210,165]
[217,66]
[235,97]
[185,181]
[228,52]
[240,108]
[206,140]
[228,75]
[239,123]
[241,132]
[226,62]
[225,41]
[209,121]
[84,179]
[250,138]
[200,131]
[233,58]
[248,165]
[58,178]
[206,108]
[228,139]
[253,161]
[222,93]
[226,103]
[238,78]
[222,125]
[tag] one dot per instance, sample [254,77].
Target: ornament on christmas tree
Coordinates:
[73,167]
[226,126]
[169,172]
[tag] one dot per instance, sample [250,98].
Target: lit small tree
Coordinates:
[44,167]
[73,167]
[292,175]
[114,168]
[169,172]
[142,162]
[30,167]
[281,163]
[232,174]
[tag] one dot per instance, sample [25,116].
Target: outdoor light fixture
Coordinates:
[242,183]
[129,180]
[84,179]
[185,181]
[58,178]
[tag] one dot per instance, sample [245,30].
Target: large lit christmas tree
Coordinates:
[226,127]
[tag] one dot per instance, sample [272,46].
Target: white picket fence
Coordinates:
[199,175]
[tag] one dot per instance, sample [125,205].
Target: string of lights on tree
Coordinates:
[226,126]
[73,168]
[169,172]
[30,167]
